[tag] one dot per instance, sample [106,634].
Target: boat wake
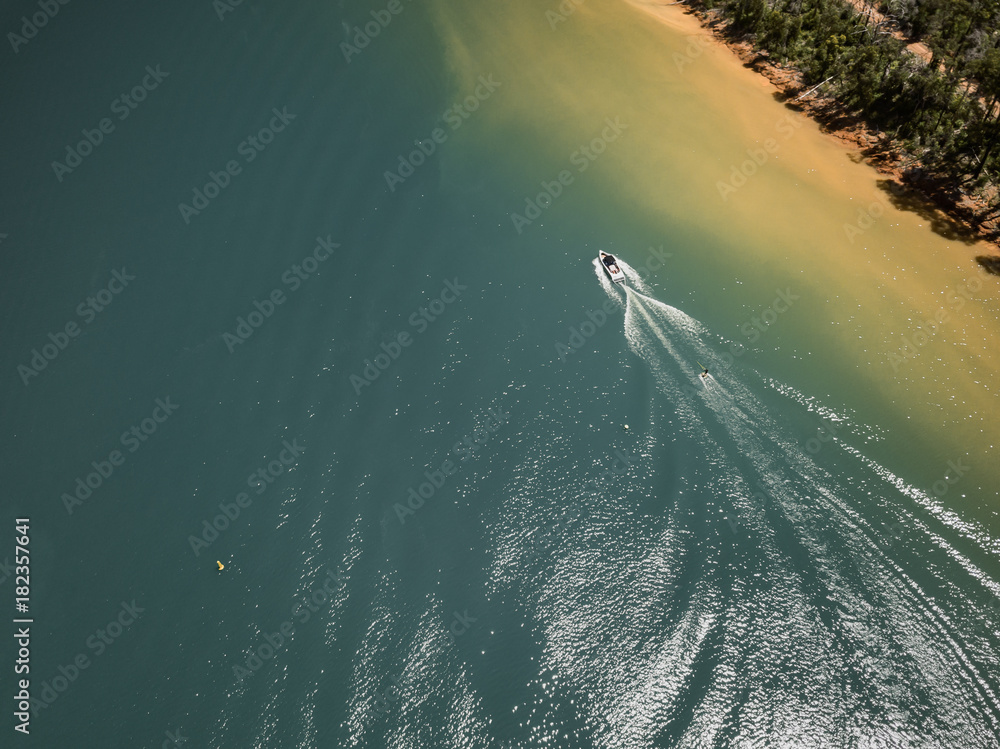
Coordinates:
[719,584]
[768,594]
[864,589]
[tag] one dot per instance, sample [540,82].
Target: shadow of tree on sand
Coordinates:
[940,223]
[830,117]
[990,263]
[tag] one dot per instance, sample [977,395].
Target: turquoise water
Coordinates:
[405,418]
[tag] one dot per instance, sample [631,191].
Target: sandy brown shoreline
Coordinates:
[908,185]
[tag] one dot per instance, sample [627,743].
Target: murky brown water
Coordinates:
[894,320]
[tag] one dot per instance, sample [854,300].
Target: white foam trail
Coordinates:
[633,278]
[971,530]
[820,506]
[807,617]
[810,403]
[750,441]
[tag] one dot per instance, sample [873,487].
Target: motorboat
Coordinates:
[610,264]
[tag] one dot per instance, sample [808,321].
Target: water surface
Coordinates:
[801,551]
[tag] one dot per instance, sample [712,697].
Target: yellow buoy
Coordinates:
[221,565]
